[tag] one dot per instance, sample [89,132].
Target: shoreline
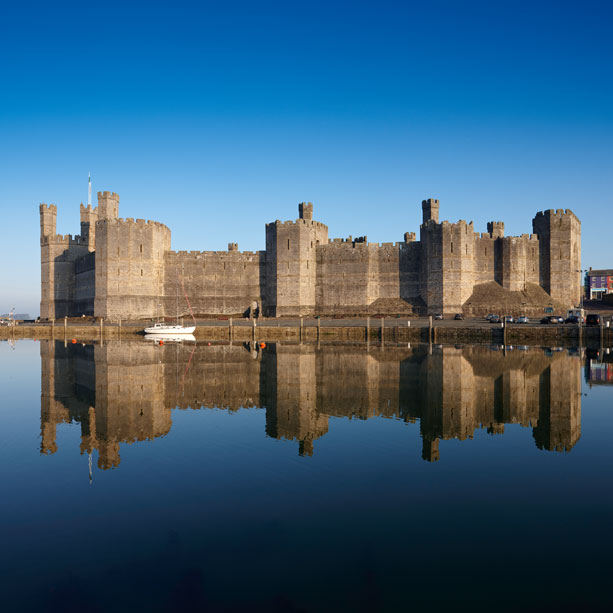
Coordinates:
[388,330]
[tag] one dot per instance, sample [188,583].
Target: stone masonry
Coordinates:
[125,268]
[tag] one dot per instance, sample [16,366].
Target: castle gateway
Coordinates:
[124,268]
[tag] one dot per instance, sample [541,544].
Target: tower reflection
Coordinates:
[125,391]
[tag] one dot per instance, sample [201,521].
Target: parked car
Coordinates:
[557,319]
[593,319]
[438,316]
[573,319]
[458,316]
[488,317]
[548,319]
[495,319]
[509,319]
[523,320]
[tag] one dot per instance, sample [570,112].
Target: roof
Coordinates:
[605,272]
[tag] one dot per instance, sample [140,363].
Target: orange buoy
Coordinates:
[161,342]
[262,345]
[74,341]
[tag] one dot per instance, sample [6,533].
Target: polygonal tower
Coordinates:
[129,263]
[291,264]
[559,234]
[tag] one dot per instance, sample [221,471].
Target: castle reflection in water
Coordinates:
[124,392]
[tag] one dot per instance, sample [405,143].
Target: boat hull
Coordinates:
[170,330]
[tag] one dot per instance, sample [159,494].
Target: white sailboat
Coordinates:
[161,329]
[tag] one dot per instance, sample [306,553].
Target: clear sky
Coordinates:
[217,117]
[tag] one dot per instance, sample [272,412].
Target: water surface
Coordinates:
[296,478]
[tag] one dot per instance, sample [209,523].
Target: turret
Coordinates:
[430,210]
[305,210]
[108,205]
[495,229]
[89,217]
[48,217]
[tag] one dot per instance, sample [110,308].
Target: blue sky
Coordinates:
[216,118]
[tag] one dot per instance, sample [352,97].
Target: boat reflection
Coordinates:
[169,338]
[124,392]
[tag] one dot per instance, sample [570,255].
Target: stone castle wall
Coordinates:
[124,268]
[222,282]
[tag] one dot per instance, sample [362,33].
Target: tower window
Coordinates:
[141,248]
[288,243]
[141,272]
[451,246]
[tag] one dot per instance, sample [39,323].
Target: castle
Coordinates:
[125,268]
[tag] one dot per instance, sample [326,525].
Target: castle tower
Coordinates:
[108,205]
[447,265]
[89,217]
[48,216]
[559,234]
[430,210]
[291,264]
[129,267]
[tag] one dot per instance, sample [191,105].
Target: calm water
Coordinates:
[224,478]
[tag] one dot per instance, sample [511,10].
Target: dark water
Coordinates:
[291,478]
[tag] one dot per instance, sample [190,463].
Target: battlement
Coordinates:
[234,255]
[130,221]
[288,224]
[555,213]
[409,237]
[109,195]
[65,239]
[460,224]
[51,208]
[88,208]
[232,246]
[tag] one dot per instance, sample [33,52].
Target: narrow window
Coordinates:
[117,250]
[141,248]
[486,251]
[288,243]
[141,272]
[451,246]
[311,244]
[466,249]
